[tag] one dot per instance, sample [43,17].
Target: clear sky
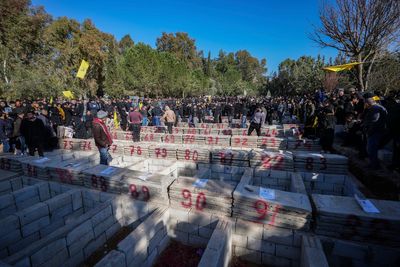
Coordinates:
[271,29]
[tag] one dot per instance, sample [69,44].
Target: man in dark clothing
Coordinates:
[327,121]
[34,132]
[135,119]
[374,125]
[102,137]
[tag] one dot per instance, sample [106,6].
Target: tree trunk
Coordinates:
[369,71]
[4,71]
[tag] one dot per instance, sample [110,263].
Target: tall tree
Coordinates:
[360,29]
[125,43]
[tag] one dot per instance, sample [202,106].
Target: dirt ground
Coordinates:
[179,255]
[236,262]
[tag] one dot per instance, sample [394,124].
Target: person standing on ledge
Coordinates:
[257,122]
[135,119]
[102,137]
[169,117]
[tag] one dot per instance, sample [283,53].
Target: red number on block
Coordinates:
[113,148]
[323,162]
[68,144]
[261,208]
[309,163]
[187,195]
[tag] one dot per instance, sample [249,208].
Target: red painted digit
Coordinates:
[103,184]
[278,162]
[274,213]
[132,150]
[113,148]
[146,193]
[187,154]
[261,207]
[163,152]
[187,195]
[266,161]
[139,150]
[157,152]
[244,142]
[323,162]
[201,201]
[94,181]
[195,155]
[133,191]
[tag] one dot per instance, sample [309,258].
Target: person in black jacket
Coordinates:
[327,122]
[33,131]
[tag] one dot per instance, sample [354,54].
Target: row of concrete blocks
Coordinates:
[221,239]
[70,244]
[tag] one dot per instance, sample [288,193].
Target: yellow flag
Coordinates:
[51,100]
[68,94]
[82,69]
[315,122]
[116,122]
[337,68]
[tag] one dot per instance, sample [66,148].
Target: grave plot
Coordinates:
[366,220]
[223,172]
[209,131]
[162,151]
[9,182]
[202,195]
[330,184]
[117,148]
[282,160]
[145,186]
[104,178]
[303,144]
[67,228]
[226,131]
[151,137]
[348,253]
[233,157]
[218,140]
[37,166]
[193,154]
[11,162]
[320,163]
[244,141]
[274,198]
[191,131]
[122,135]
[271,143]
[70,171]
[78,144]
[137,150]
[175,237]
[193,139]
[172,138]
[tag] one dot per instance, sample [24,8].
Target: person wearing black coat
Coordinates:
[34,133]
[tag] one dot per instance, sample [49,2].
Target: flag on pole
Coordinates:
[68,94]
[82,69]
[338,68]
[116,122]
[51,100]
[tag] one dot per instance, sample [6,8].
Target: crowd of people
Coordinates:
[366,121]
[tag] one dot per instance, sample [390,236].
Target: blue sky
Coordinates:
[271,29]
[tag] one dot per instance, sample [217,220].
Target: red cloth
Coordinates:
[104,127]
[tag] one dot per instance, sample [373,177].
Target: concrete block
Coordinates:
[74,260]
[76,196]
[55,189]
[53,226]
[61,212]
[113,229]
[163,244]
[25,193]
[209,259]
[24,262]
[188,228]
[58,202]
[313,257]
[79,231]
[239,240]
[105,196]
[272,260]
[350,249]
[268,247]
[6,200]
[33,213]
[217,241]
[35,226]
[91,195]
[246,228]
[196,240]
[21,244]
[8,224]
[278,235]
[44,191]
[248,255]
[288,252]
[112,259]
[73,216]
[94,245]
[151,259]
[48,252]
[180,236]
[136,261]
[16,184]
[205,232]
[78,245]
[156,239]
[101,216]
[27,203]
[9,238]
[179,214]
[201,219]
[103,226]
[57,259]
